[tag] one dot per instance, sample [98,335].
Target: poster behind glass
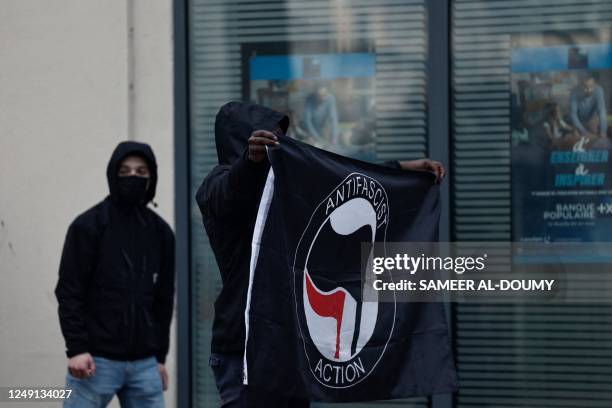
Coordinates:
[328,93]
[561,93]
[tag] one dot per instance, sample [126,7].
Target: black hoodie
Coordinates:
[116,276]
[228,200]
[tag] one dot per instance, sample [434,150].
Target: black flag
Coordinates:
[309,332]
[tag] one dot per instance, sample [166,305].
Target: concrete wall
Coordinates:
[65,103]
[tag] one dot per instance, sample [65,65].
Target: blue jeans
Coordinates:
[137,384]
[227,369]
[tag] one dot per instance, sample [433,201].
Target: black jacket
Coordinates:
[228,200]
[116,276]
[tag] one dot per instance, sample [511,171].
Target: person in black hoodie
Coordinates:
[116,290]
[228,200]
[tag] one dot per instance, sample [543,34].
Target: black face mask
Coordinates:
[132,189]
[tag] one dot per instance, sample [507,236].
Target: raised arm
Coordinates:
[229,189]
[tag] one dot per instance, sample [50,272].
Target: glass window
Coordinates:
[516,65]
[370,56]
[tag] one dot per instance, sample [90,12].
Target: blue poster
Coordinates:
[328,94]
[561,143]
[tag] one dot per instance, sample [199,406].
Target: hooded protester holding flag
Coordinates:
[229,199]
[116,290]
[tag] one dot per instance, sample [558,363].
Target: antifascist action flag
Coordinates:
[309,332]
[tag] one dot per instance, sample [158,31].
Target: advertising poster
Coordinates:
[327,93]
[561,98]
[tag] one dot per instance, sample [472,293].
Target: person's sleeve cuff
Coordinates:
[246,175]
[394,164]
[75,351]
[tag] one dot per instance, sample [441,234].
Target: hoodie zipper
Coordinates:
[131,282]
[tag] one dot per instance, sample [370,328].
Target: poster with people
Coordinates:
[561,98]
[327,91]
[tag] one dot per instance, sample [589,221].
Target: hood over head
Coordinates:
[236,121]
[129,148]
